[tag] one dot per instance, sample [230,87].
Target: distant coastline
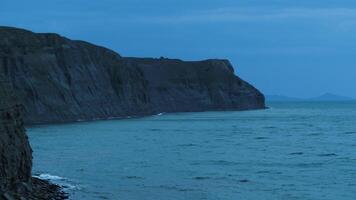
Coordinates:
[327,97]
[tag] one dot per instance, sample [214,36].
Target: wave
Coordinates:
[60,181]
[327,154]
[48,177]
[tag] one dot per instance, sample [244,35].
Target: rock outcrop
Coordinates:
[61,80]
[16,154]
[15,151]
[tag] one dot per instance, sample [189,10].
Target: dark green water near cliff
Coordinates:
[302,150]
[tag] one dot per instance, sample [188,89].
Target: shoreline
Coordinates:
[43,189]
[39,190]
[135,117]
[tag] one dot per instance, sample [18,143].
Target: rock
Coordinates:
[15,151]
[177,86]
[61,80]
[44,190]
[7,196]
[16,154]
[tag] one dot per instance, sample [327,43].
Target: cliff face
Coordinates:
[15,151]
[60,80]
[16,154]
[176,86]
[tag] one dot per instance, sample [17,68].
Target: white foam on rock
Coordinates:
[61,181]
[49,177]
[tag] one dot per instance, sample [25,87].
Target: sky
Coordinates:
[299,48]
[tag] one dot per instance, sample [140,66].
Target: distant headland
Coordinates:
[324,97]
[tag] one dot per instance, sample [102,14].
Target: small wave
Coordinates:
[159,114]
[187,145]
[314,134]
[68,186]
[155,129]
[61,181]
[201,178]
[261,138]
[327,155]
[223,162]
[103,197]
[49,177]
[173,187]
[270,127]
[215,162]
[296,153]
[309,165]
[263,172]
[134,177]
[349,133]
[244,181]
[111,118]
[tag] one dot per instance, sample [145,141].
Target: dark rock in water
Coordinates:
[16,154]
[61,80]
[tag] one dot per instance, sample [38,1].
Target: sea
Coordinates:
[291,151]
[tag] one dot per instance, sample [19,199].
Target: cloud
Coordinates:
[346,16]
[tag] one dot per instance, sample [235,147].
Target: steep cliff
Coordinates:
[15,151]
[16,154]
[61,80]
[177,86]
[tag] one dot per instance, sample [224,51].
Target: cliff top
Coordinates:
[23,37]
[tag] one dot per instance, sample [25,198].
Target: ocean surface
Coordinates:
[292,151]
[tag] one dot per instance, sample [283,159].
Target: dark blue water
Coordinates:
[291,151]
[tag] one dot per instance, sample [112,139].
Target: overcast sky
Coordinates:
[298,48]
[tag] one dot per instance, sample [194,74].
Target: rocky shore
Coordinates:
[43,190]
[39,190]
[16,182]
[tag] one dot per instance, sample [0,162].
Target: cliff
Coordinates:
[16,154]
[61,80]
[15,151]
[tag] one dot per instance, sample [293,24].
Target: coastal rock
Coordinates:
[62,80]
[16,154]
[15,151]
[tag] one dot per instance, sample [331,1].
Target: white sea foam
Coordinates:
[61,181]
[67,186]
[49,177]
[159,114]
[113,118]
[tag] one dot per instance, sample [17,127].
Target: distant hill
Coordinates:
[331,97]
[324,97]
[281,98]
